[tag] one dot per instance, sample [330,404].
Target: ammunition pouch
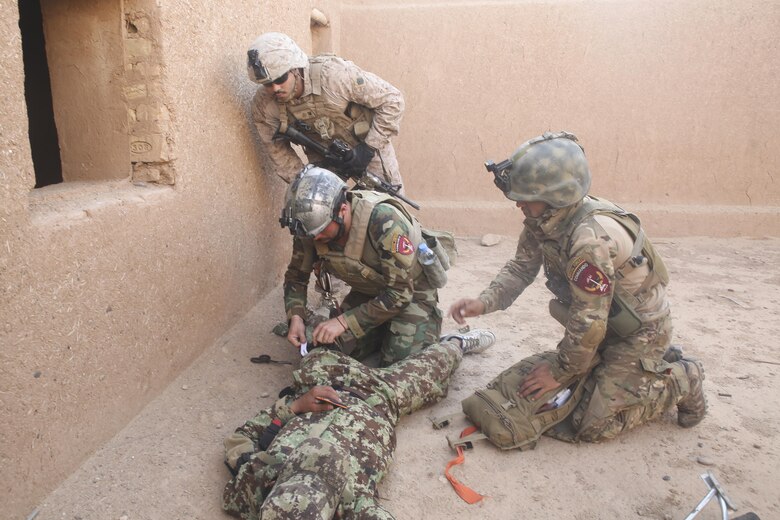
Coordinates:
[622,321]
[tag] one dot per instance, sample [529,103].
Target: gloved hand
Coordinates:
[357,159]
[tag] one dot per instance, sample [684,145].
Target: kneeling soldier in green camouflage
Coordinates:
[368,240]
[322,448]
[610,289]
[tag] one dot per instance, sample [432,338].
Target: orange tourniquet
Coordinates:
[463,491]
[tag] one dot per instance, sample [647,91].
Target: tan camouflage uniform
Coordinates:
[391,302]
[631,384]
[321,464]
[343,85]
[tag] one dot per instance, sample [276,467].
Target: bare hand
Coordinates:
[466,308]
[297,331]
[328,331]
[538,382]
[308,402]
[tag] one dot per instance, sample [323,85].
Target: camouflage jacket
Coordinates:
[389,243]
[589,262]
[342,83]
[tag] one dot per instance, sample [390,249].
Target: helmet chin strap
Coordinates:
[298,76]
[338,219]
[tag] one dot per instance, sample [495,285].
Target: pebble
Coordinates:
[704,461]
[700,445]
[757,446]
[490,240]
[183,387]
[667,478]
[265,394]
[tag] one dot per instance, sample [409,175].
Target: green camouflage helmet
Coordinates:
[272,55]
[312,201]
[550,168]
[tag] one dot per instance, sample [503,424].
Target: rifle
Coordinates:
[333,158]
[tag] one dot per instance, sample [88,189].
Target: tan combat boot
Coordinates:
[692,408]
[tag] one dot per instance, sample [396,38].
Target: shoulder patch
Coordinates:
[588,277]
[402,245]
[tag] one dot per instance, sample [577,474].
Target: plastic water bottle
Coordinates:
[424,254]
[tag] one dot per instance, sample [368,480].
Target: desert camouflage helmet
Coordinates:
[273,54]
[312,201]
[550,168]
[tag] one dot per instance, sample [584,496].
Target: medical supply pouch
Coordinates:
[510,421]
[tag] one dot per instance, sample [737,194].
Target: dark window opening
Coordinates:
[44,144]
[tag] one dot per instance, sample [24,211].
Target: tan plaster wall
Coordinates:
[109,289]
[676,102]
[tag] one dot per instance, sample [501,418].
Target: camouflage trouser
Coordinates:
[417,325]
[331,463]
[630,385]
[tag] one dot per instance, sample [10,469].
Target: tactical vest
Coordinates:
[359,264]
[320,120]
[623,318]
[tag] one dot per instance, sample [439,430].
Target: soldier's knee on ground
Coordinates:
[600,431]
[310,483]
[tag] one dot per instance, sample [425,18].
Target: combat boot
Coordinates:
[474,341]
[673,353]
[692,408]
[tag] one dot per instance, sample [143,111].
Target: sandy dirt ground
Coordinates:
[167,463]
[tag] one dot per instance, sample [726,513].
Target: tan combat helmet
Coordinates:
[312,202]
[550,168]
[272,55]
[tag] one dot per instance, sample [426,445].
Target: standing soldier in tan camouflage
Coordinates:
[369,241]
[610,288]
[325,98]
[303,458]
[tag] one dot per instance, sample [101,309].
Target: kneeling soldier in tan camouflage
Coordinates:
[610,288]
[306,458]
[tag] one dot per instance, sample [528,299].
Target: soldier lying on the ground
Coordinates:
[307,458]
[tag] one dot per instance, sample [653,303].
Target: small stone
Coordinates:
[490,240]
[37,374]
[704,461]
[219,426]
[185,387]
[667,516]
[124,517]
[700,444]
[757,446]
[264,394]
[667,478]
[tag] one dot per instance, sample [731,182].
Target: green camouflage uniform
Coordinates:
[630,383]
[391,302]
[321,464]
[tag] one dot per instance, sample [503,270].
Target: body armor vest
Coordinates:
[623,318]
[321,120]
[359,264]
